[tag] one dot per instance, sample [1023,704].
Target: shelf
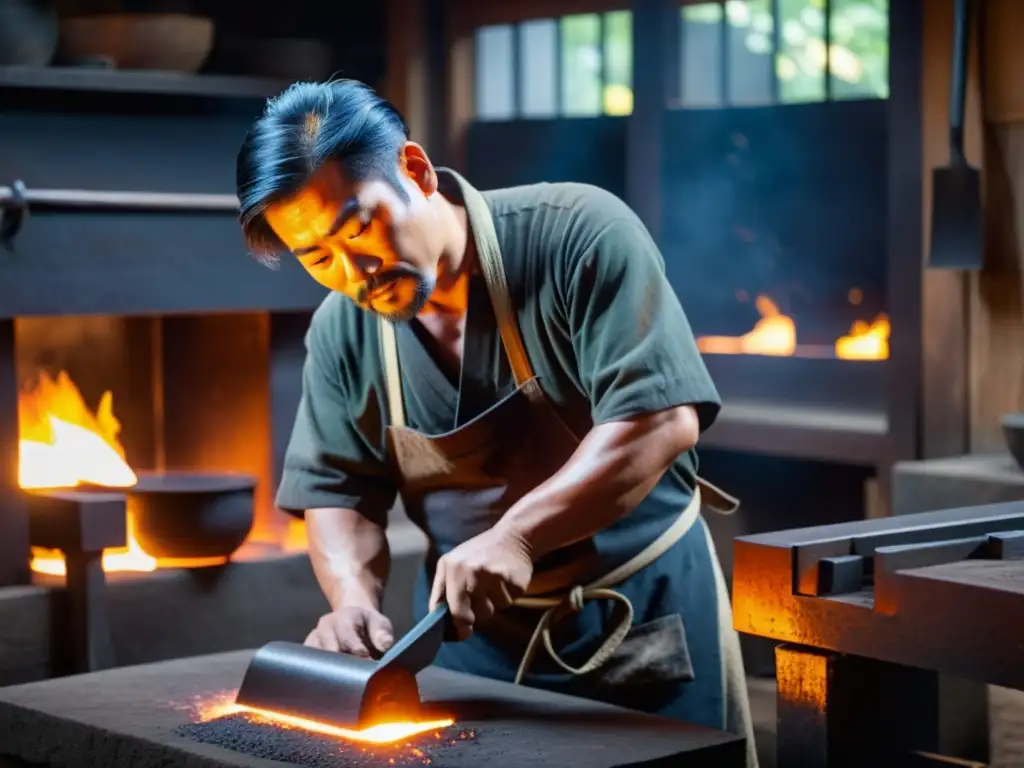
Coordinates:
[142,82]
[799,432]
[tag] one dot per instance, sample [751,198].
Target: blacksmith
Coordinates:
[515,366]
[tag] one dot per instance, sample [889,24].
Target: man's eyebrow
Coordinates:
[347,211]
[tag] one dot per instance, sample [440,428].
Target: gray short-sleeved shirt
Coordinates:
[602,327]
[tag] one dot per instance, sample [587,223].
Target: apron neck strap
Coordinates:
[486,239]
[481,224]
[392,374]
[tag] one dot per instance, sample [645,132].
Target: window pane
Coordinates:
[859,54]
[581,65]
[618,63]
[751,58]
[495,99]
[700,74]
[538,44]
[800,63]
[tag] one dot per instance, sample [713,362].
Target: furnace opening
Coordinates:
[106,399]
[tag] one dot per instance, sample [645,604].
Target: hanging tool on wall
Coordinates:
[957,237]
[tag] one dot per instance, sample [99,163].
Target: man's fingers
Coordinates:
[483,607]
[313,640]
[349,629]
[327,638]
[381,634]
[457,592]
[437,590]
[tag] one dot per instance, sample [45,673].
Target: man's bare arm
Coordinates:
[350,557]
[614,468]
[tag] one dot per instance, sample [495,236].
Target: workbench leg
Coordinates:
[840,711]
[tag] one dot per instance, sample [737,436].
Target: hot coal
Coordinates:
[271,741]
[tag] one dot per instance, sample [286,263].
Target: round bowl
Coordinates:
[28,33]
[162,41]
[191,515]
[1013,430]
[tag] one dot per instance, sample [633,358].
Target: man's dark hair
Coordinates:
[301,129]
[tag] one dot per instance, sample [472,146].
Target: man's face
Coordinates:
[349,249]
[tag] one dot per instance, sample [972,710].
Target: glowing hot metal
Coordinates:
[341,691]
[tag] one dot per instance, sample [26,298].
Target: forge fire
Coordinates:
[775,334]
[64,444]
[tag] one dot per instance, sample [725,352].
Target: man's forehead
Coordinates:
[327,190]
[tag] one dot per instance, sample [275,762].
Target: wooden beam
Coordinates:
[997,320]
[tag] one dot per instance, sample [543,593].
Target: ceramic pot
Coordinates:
[29,31]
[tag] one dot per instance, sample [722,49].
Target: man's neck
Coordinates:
[458,260]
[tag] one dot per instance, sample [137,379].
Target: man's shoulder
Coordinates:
[571,204]
[564,219]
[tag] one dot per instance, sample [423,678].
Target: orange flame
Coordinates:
[775,335]
[62,444]
[866,342]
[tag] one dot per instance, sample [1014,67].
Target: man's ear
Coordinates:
[416,166]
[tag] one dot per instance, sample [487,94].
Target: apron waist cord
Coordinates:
[557,607]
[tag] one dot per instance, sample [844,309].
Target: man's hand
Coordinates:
[356,631]
[482,576]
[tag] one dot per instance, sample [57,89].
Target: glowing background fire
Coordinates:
[775,334]
[63,444]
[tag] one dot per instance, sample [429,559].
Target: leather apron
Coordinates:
[479,470]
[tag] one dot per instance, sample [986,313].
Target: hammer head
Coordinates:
[330,688]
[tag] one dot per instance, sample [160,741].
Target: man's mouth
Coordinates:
[382,290]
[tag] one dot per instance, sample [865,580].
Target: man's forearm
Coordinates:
[611,472]
[350,557]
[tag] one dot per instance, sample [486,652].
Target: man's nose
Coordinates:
[362,265]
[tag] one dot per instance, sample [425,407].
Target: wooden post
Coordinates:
[997,319]
[14,548]
[946,298]
[655,33]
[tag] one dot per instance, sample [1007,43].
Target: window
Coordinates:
[538,67]
[859,50]
[801,59]
[739,52]
[582,65]
[495,77]
[751,30]
[618,63]
[700,43]
[731,53]
[575,66]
